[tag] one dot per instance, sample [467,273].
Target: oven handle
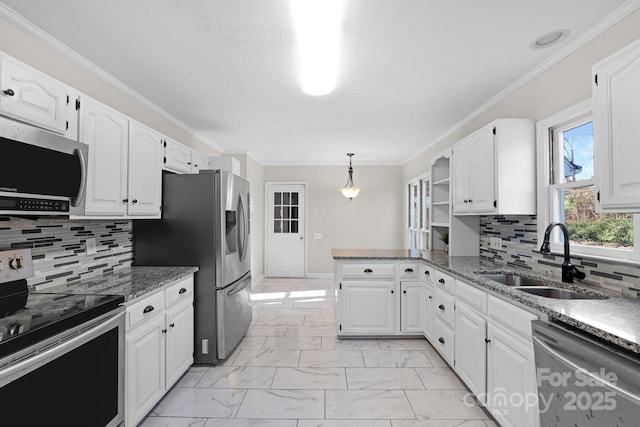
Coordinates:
[630,396]
[234,291]
[30,363]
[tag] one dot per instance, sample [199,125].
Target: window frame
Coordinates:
[417,237]
[547,200]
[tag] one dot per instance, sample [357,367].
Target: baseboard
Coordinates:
[320,276]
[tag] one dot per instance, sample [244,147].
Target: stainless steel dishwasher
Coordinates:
[582,381]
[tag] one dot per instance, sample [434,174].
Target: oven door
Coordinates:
[234,314]
[73,379]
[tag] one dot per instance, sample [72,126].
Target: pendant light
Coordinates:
[349,190]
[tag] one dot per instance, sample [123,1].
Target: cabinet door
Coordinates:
[198,162]
[460,177]
[32,97]
[616,129]
[145,369]
[145,170]
[106,132]
[179,341]
[177,157]
[367,307]
[411,307]
[427,317]
[511,377]
[482,171]
[471,348]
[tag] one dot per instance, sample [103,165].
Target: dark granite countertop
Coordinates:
[132,282]
[615,319]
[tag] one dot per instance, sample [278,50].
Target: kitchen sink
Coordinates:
[511,279]
[556,293]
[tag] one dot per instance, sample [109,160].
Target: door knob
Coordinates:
[301,237]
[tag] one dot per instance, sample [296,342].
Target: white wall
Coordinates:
[24,47]
[563,85]
[255,176]
[374,219]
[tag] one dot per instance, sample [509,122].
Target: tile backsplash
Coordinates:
[519,240]
[58,247]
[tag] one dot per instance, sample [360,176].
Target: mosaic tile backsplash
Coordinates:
[58,247]
[519,240]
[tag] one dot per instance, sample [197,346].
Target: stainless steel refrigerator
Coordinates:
[205,223]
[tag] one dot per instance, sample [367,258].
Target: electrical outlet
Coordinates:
[496,243]
[317,236]
[91,246]
[15,264]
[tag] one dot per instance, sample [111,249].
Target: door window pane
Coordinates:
[277,226]
[277,198]
[294,198]
[294,226]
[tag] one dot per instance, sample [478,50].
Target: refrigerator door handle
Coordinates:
[242,231]
[240,287]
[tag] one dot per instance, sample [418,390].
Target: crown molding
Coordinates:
[600,27]
[56,45]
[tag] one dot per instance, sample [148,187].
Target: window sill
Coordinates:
[609,260]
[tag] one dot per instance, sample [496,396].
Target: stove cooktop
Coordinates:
[27,318]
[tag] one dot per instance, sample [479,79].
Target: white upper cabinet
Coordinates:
[145,170]
[493,170]
[32,97]
[198,162]
[177,157]
[106,131]
[616,102]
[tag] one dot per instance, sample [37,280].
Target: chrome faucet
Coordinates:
[569,271]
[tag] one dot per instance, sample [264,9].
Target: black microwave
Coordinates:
[40,173]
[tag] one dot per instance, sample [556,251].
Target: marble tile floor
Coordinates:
[291,371]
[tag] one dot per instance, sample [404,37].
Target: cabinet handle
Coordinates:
[441,340]
[368,270]
[470,201]
[134,201]
[430,297]
[466,201]
[441,281]
[189,163]
[426,272]
[487,340]
[148,309]
[182,291]
[404,292]
[125,200]
[172,325]
[408,270]
[164,331]
[392,291]
[9,92]
[441,307]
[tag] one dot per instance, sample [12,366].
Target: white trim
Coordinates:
[256,280]
[306,222]
[56,45]
[600,27]
[320,276]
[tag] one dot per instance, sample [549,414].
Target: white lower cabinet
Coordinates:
[443,324]
[427,317]
[471,348]
[158,346]
[412,302]
[367,307]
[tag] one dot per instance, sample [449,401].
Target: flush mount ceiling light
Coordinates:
[317,25]
[549,39]
[349,190]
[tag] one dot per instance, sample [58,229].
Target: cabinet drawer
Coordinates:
[408,270]
[443,307]
[179,291]
[443,340]
[358,271]
[444,281]
[514,318]
[426,273]
[476,298]
[148,308]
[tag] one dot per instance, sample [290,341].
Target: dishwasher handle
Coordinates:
[557,355]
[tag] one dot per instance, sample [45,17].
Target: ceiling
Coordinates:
[410,70]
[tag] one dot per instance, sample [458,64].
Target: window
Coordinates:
[418,209]
[285,212]
[568,193]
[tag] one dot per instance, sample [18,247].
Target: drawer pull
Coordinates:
[9,92]
[426,272]
[441,307]
[148,309]
[182,291]
[441,340]
[441,281]
[368,270]
[408,270]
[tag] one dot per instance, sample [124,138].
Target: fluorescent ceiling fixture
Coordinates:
[317,25]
